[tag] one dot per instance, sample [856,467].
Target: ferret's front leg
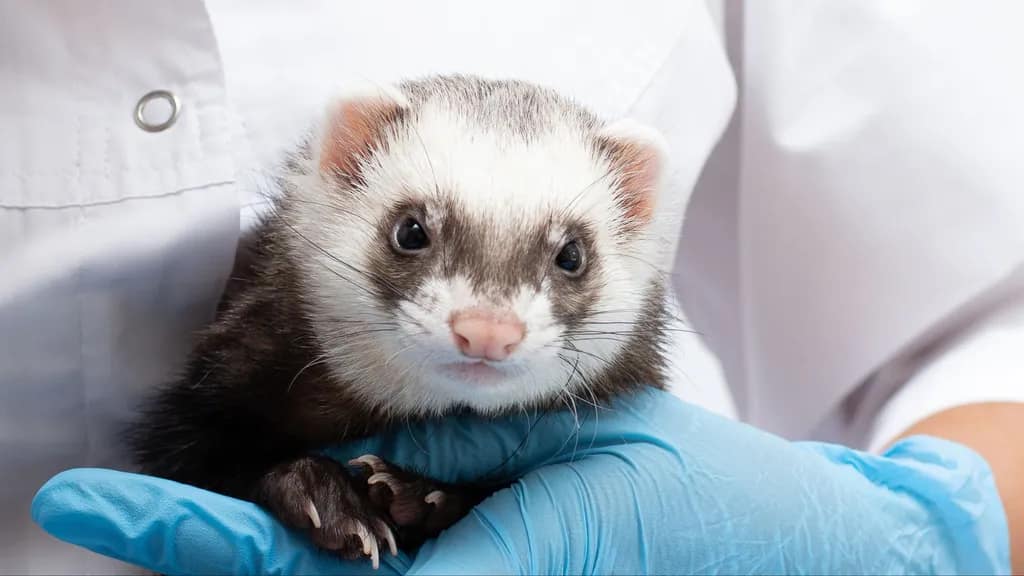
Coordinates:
[419,507]
[318,495]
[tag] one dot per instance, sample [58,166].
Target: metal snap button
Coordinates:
[161,104]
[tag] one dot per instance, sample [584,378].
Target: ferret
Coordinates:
[444,244]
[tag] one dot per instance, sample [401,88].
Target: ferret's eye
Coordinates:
[570,259]
[409,236]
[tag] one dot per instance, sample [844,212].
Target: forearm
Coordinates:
[990,430]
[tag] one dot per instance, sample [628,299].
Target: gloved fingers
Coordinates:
[470,547]
[951,481]
[173,528]
[511,446]
[568,518]
[495,538]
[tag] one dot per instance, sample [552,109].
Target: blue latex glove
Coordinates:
[652,485]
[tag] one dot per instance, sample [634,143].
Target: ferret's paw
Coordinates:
[319,495]
[419,506]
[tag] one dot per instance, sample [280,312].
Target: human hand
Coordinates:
[650,485]
[659,486]
[174,528]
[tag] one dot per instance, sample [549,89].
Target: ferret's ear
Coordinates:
[637,156]
[355,126]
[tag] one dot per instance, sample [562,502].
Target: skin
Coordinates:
[985,428]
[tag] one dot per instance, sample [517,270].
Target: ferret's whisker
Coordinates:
[518,448]
[661,273]
[385,282]
[317,360]
[335,207]
[395,355]
[564,212]
[338,336]
[576,432]
[590,354]
[430,164]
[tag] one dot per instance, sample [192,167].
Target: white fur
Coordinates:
[633,131]
[492,175]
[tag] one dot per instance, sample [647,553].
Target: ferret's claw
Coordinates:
[314,516]
[364,536]
[374,553]
[334,506]
[370,461]
[436,498]
[369,541]
[385,478]
[389,536]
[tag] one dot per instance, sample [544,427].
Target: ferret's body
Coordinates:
[453,243]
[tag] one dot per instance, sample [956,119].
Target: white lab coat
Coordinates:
[116,242]
[865,214]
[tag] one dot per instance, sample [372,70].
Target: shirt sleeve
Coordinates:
[985,364]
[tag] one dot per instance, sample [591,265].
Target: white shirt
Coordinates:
[116,241]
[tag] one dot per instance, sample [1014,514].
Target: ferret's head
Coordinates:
[483,244]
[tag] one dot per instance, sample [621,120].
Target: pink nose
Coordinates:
[487,334]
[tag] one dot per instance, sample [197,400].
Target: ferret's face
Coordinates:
[455,261]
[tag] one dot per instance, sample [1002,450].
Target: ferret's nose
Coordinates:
[486,334]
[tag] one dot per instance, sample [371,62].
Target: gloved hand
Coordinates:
[173,528]
[651,485]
